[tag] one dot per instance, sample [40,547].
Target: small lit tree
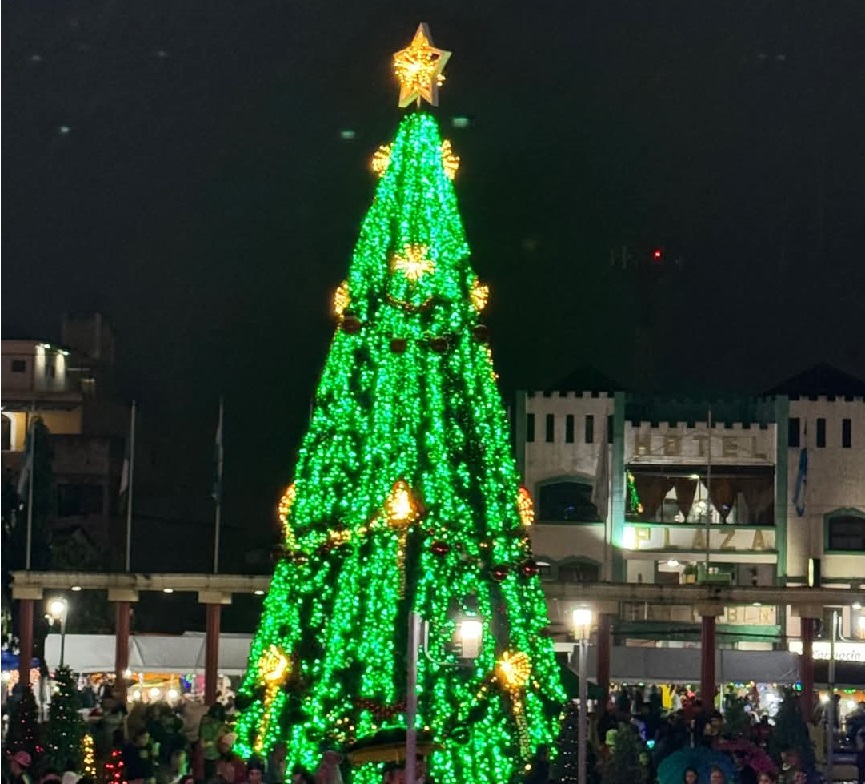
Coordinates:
[23,733]
[66,731]
[791,731]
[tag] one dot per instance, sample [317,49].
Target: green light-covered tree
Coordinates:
[406,498]
[64,746]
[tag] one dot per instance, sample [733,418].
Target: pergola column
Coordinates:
[122,599]
[709,614]
[213,601]
[807,617]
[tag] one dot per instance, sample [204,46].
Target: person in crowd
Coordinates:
[211,729]
[745,774]
[717,776]
[276,762]
[176,769]
[300,775]
[540,766]
[71,777]
[138,758]
[50,776]
[859,746]
[328,771]
[230,766]
[690,776]
[19,768]
[767,777]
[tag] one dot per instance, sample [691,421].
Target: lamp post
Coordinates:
[582,630]
[58,608]
[470,631]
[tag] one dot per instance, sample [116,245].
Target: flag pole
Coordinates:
[31,437]
[129,488]
[217,494]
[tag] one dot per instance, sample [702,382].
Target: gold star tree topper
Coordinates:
[419,69]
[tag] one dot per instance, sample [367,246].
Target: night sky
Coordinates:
[179,166]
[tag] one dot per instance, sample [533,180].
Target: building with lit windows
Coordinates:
[68,386]
[738,491]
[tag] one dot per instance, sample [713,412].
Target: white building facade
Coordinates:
[762,491]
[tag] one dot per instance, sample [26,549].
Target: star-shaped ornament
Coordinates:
[419,69]
[413,262]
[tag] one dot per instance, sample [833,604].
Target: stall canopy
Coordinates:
[148,653]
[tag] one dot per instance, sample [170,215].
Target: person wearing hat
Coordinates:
[229,765]
[19,768]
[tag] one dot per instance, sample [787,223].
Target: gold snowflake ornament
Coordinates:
[413,262]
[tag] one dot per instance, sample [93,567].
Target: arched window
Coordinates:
[7,433]
[579,572]
[566,501]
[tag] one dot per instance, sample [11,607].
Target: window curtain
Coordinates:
[759,494]
[686,489]
[722,494]
[652,490]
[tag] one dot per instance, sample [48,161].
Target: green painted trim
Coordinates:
[782,417]
[677,630]
[698,526]
[728,551]
[617,490]
[520,432]
[577,478]
[569,522]
[847,511]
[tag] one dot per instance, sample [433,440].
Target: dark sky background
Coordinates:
[203,199]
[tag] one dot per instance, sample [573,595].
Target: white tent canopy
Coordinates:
[182,654]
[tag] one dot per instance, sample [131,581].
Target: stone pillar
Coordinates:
[122,599]
[605,623]
[807,616]
[708,645]
[213,601]
[25,641]
[122,611]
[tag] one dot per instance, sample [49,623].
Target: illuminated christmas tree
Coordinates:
[406,498]
[66,729]
[23,732]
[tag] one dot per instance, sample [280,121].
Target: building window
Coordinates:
[569,429]
[821,433]
[551,428]
[590,429]
[79,500]
[846,433]
[579,572]
[530,428]
[846,531]
[793,430]
[7,433]
[19,365]
[566,502]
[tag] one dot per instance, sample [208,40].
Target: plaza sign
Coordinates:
[844,651]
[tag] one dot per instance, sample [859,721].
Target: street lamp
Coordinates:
[470,631]
[582,629]
[58,609]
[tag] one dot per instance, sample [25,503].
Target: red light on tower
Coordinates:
[657,253]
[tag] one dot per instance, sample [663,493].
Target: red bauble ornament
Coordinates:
[530,567]
[439,345]
[481,332]
[440,548]
[350,323]
[398,345]
[499,572]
